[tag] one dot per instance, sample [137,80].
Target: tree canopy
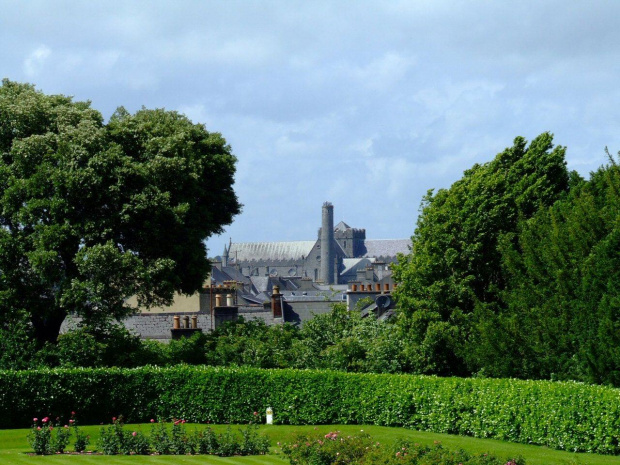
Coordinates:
[455,268]
[92,212]
[562,301]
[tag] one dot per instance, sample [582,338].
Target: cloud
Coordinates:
[36,60]
[384,73]
[367,105]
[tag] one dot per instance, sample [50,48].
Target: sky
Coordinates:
[366,104]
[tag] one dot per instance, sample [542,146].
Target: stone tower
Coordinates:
[327,237]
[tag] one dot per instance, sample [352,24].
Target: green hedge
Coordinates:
[570,416]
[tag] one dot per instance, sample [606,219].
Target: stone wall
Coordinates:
[150,325]
[257,313]
[158,325]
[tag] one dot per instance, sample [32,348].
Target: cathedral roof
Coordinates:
[342,226]
[270,251]
[386,247]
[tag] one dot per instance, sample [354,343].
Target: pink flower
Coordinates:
[255,413]
[72,413]
[71,421]
[134,434]
[35,419]
[113,418]
[152,420]
[38,428]
[66,426]
[45,420]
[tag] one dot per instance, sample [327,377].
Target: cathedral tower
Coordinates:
[327,237]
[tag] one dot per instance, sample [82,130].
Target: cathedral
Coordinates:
[339,255]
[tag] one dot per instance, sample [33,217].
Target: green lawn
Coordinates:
[14,448]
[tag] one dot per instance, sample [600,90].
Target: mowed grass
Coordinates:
[14,447]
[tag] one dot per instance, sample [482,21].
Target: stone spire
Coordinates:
[225,255]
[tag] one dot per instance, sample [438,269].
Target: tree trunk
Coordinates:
[47,328]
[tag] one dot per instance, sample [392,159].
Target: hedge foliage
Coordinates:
[569,416]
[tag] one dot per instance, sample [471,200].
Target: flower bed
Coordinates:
[117,439]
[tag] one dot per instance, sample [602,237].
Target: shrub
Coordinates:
[160,437]
[332,448]
[569,416]
[60,440]
[81,439]
[176,441]
[205,442]
[336,449]
[138,444]
[179,441]
[187,350]
[227,444]
[112,439]
[253,443]
[40,438]
[48,438]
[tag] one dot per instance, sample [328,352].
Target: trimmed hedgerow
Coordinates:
[569,416]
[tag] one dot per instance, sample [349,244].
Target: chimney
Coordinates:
[327,238]
[276,302]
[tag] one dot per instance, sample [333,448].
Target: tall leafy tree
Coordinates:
[563,297]
[455,265]
[92,213]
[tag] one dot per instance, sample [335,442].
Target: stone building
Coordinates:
[281,282]
[336,256]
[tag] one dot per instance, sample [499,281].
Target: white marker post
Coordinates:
[269,416]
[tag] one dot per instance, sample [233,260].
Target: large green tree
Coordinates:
[455,269]
[562,315]
[92,213]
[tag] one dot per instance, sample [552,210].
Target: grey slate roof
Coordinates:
[386,247]
[261,283]
[351,265]
[270,251]
[251,299]
[218,277]
[342,226]
[235,274]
